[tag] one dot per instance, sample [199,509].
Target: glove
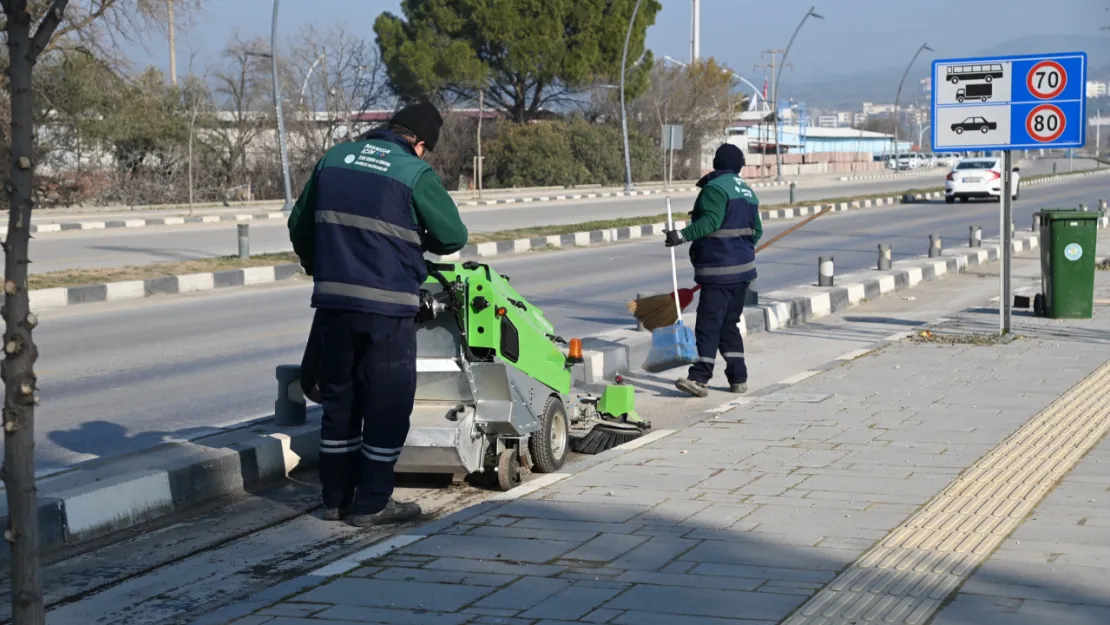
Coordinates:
[674,237]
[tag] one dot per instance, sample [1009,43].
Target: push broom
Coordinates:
[658,311]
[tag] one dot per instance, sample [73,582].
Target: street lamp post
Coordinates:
[624,111]
[277,110]
[304,86]
[901,83]
[921,135]
[778,152]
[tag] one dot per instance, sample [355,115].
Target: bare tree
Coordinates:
[34,27]
[24,47]
[343,77]
[241,88]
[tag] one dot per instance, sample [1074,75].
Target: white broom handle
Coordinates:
[674,263]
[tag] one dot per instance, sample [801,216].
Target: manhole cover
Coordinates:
[802,398]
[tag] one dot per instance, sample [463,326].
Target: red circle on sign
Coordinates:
[1045,108]
[1033,74]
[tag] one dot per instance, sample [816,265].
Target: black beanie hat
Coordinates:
[422,119]
[728,157]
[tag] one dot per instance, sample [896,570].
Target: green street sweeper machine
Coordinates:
[494,389]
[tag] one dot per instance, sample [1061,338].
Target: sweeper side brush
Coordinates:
[617,422]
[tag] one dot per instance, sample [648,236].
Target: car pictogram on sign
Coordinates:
[974,123]
[1046,123]
[1047,80]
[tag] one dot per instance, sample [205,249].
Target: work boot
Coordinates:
[336,514]
[697,389]
[393,512]
[738,388]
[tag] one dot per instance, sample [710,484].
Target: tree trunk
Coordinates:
[20,352]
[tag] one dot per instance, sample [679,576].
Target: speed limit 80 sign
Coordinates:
[1010,103]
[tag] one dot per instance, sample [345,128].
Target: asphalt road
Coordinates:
[120,377]
[93,249]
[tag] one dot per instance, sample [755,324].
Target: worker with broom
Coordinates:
[367,214]
[724,230]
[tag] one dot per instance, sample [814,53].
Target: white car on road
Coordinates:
[979,178]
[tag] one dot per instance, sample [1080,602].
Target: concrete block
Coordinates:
[494,566]
[258,275]
[287,271]
[605,548]
[129,289]
[522,245]
[408,596]
[173,221]
[525,593]
[581,238]
[87,294]
[227,278]
[572,603]
[115,502]
[486,249]
[705,602]
[195,282]
[479,547]
[45,299]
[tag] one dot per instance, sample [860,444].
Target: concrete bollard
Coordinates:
[793,188]
[289,409]
[825,271]
[1036,222]
[1054,169]
[244,241]
[884,257]
[1083,206]
[975,236]
[934,245]
[1102,205]
[1011,229]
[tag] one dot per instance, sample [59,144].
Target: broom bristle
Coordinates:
[654,312]
[631,305]
[603,438]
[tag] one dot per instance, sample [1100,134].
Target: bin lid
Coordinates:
[1056,214]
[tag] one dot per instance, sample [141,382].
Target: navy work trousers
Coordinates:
[719,310]
[367,380]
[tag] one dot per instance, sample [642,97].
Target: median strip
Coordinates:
[79,286]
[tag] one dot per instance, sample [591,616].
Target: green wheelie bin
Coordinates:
[1068,239]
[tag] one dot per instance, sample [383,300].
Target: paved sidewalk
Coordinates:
[803,503]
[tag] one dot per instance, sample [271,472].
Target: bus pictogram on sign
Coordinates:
[1046,80]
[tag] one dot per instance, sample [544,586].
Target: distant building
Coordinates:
[927,85]
[1097,89]
[828,121]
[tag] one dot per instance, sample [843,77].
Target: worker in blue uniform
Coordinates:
[725,227]
[370,210]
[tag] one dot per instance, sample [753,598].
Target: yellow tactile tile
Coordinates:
[905,578]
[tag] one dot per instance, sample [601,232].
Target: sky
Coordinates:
[856,35]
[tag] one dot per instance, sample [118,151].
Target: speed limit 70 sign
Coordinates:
[1010,103]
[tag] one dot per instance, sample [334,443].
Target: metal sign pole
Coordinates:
[1005,254]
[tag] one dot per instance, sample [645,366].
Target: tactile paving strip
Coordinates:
[907,575]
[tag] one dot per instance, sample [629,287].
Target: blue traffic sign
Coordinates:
[1010,103]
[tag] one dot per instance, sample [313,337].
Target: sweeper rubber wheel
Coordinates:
[551,443]
[508,470]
